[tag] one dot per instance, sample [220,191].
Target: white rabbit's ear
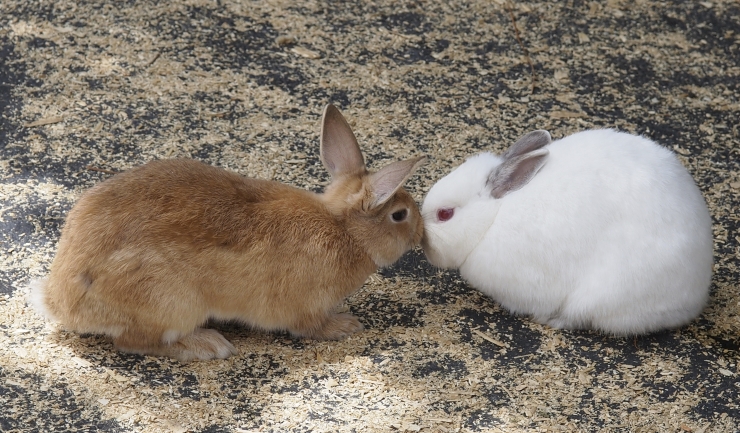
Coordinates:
[340,152]
[516,172]
[385,182]
[529,142]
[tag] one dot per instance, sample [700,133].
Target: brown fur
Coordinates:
[152,253]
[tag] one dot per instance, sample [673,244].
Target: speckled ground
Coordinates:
[91,87]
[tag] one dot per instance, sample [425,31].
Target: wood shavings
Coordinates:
[489,339]
[305,52]
[151,62]
[102,170]
[241,85]
[285,40]
[561,74]
[563,114]
[509,8]
[681,150]
[41,122]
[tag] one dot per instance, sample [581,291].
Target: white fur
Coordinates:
[171,336]
[37,298]
[611,234]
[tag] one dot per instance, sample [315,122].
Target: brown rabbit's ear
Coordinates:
[385,182]
[340,152]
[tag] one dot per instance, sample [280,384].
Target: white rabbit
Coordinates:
[599,230]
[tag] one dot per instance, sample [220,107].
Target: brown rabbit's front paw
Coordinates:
[335,327]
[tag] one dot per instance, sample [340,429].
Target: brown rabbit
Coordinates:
[149,255]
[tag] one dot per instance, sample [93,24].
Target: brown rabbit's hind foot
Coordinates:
[335,327]
[200,345]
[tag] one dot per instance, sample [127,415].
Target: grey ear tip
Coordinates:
[544,132]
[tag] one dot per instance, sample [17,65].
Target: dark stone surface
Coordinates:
[136,81]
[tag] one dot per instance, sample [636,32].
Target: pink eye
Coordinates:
[445,214]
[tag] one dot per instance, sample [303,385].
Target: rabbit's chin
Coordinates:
[439,258]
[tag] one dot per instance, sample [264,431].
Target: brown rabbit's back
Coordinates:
[180,241]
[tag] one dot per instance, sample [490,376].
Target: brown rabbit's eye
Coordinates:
[445,214]
[400,215]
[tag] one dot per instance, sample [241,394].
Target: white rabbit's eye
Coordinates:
[445,214]
[400,215]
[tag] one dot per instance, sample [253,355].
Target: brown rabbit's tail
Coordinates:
[70,307]
[38,299]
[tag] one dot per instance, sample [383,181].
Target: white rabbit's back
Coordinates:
[611,234]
